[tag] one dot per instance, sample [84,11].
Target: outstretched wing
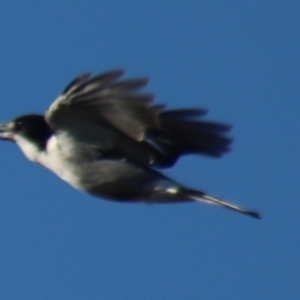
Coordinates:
[115,116]
[104,98]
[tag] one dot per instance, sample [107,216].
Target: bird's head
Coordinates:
[32,128]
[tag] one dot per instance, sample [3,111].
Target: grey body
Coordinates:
[106,138]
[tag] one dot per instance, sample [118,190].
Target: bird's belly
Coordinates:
[64,170]
[64,167]
[113,179]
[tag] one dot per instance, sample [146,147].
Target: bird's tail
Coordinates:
[198,196]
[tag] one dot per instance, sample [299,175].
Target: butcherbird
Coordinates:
[106,137]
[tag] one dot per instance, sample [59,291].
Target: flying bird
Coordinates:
[106,137]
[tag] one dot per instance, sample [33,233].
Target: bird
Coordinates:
[105,136]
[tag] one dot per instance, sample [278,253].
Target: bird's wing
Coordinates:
[106,99]
[114,114]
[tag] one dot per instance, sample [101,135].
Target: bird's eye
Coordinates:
[19,125]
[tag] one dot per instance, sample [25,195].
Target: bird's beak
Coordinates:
[6,131]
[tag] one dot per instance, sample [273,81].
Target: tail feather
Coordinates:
[204,198]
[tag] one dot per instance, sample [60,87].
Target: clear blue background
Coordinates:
[241,60]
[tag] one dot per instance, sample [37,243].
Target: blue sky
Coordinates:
[239,59]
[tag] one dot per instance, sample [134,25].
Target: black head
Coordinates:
[32,127]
